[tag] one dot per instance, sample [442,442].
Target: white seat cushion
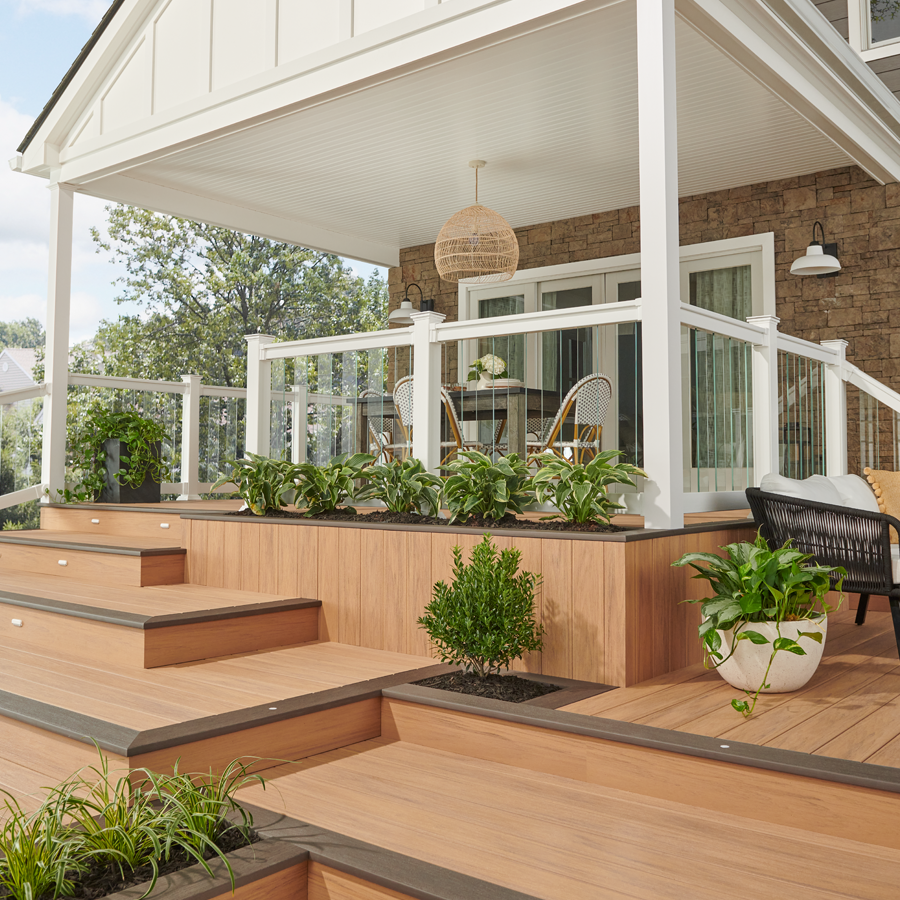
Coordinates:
[816,488]
[895,562]
[855,492]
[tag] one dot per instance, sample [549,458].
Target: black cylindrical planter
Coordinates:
[113,492]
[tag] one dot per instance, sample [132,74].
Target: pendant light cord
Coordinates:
[476,186]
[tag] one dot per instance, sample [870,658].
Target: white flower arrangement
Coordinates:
[490,364]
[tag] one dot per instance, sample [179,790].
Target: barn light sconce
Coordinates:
[820,258]
[402,316]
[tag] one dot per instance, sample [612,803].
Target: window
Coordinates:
[884,20]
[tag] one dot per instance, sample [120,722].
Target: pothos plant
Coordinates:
[752,584]
[88,458]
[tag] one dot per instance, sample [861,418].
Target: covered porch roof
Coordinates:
[360,147]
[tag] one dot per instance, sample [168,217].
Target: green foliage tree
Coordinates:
[22,333]
[20,461]
[885,9]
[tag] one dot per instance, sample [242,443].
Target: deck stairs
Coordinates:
[115,646]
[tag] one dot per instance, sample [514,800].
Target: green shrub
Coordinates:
[581,492]
[323,488]
[88,458]
[403,487]
[480,487]
[485,619]
[263,484]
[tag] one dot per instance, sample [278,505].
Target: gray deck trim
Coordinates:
[395,871]
[91,548]
[627,536]
[882,778]
[120,507]
[76,610]
[230,612]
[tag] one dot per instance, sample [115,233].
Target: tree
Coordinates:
[201,289]
[885,9]
[22,333]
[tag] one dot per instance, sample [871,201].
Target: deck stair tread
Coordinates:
[149,698]
[850,709]
[103,543]
[554,837]
[141,602]
[165,506]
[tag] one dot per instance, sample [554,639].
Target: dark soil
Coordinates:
[496,687]
[385,517]
[104,880]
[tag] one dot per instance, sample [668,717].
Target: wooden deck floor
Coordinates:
[151,698]
[850,709]
[562,839]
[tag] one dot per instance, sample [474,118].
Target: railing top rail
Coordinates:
[716,323]
[790,344]
[29,393]
[221,390]
[881,392]
[341,343]
[144,384]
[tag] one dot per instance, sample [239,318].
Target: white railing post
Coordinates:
[259,394]
[427,407]
[764,375]
[190,438]
[56,366]
[836,410]
[663,497]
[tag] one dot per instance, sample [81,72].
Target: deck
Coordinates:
[849,710]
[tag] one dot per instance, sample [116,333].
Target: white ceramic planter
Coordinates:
[747,666]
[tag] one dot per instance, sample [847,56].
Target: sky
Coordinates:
[39,39]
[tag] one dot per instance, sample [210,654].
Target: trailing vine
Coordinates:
[88,458]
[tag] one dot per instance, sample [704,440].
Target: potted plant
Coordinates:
[116,457]
[764,628]
[486,369]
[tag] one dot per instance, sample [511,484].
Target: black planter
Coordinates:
[113,492]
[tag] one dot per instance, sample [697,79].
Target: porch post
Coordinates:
[259,394]
[56,365]
[660,291]
[190,438]
[427,408]
[836,410]
[764,375]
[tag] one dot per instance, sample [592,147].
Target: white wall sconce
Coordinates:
[820,258]
[402,315]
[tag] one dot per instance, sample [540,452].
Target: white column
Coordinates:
[190,438]
[56,360]
[764,374]
[427,408]
[663,498]
[836,411]
[259,394]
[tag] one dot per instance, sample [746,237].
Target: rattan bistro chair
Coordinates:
[855,539]
[589,400]
[381,433]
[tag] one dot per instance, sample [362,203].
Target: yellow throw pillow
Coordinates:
[886,486]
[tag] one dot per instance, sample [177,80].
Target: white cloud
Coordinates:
[23,306]
[92,10]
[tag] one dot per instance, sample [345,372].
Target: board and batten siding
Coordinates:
[610,608]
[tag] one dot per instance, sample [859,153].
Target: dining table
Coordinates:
[513,404]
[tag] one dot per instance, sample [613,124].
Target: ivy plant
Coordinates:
[403,487]
[321,489]
[484,619]
[751,584]
[88,458]
[480,487]
[263,484]
[581,491]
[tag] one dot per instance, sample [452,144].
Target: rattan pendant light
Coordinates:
[476,245]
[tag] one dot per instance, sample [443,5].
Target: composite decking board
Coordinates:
[98,543]
[849,710]
[555,837]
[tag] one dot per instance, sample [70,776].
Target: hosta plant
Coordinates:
[753,584]
[581,491]
[264,484]
[322,489]
[484,619]
[480,487]
[403,487]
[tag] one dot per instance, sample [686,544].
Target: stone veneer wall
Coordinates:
[862,216]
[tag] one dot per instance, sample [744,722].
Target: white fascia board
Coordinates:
[128,20]
[122,189]
[815,73]
[433,36]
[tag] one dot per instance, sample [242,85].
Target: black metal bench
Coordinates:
[857,540]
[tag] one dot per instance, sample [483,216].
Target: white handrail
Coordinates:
[22,496]
[127,384]
[716,323]
[787,343]
[883,394]
[217,390]
[341,343]
[29,393]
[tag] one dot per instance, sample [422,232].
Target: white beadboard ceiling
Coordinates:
[554,113]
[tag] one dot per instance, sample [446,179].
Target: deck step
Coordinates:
[125,560]
[146,627]
[103,519]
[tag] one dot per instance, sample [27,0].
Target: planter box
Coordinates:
[113,492]
[609,603]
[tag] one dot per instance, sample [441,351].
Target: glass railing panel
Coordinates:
[801,416]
